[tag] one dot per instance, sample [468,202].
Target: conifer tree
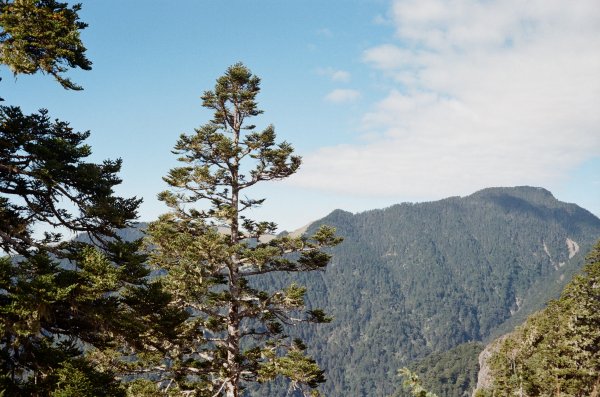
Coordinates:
[42,35]
[557,351]
[67,309]
[42,161]
[44,175]
[213,251]
[62,326]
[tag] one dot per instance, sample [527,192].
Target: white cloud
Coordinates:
[481,94]
[336,75]
[342,95]
[388,57]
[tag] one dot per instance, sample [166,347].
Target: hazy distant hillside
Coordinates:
[415,279]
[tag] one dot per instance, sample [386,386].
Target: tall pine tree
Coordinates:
[212,251]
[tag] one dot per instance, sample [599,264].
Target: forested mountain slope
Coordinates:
[415,279]
[556,352]
[450,373]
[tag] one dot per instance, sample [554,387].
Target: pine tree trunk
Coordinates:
[596,389]
[233,338]
[233,348]
[233,327]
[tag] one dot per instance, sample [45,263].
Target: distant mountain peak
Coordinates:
[437,274]
[340,212]
[517,191]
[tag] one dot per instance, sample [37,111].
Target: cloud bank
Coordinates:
[490,93]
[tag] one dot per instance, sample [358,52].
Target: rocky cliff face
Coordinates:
[484,378]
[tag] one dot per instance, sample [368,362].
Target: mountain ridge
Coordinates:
[414,279]
[418,278]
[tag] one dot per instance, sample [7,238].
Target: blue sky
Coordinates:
[387,101]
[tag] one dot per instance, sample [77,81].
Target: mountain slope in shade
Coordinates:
[415,279]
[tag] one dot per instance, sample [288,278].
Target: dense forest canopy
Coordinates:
[418,279]
[556,352]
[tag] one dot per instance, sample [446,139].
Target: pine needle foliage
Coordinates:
[212,252]
[69,311]
[63,327]
[46,180]
[42,35]
[557,351]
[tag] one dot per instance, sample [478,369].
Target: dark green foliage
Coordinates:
[236,332]
[64,327]
[416,279]
[42,35]
[77,378]
[41,324]
[43,173]
[557,351]
[452,373]
[69,311]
